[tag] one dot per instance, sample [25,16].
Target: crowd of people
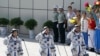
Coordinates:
[80,26]
[86,21]
[65,22]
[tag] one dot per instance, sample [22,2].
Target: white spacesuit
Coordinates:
[78,47]
[14,46]
[47,47]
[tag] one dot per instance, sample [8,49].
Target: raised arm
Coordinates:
[39,37]
[20,48]
[52,42]
[6,41]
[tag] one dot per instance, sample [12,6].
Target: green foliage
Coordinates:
[48,23]
[4,21]
[30,24]
[16,22]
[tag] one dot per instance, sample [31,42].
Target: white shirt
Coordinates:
[84,25]
[99,20]
[69,16]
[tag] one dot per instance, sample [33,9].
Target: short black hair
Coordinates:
[83,12]
[70,7]
[79,11]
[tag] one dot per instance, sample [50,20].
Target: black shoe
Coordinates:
[91,49]
[62,42]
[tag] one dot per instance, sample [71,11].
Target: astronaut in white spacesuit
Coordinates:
[78,46]
[13,42]
[46,42]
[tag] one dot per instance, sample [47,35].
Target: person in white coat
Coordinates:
[45,39]
[78,47]
[14,45]
[84,27]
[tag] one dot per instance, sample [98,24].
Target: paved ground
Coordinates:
[33,48]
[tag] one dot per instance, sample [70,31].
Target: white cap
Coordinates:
[56,6]
[14,30]
[61,7]
[45,27]
[43,31]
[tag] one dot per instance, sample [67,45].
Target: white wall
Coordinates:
[34,8]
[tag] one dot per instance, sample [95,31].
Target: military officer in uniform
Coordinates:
[55,23]
[61,24]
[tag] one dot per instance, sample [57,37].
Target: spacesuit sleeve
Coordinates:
[69,36]
[52,43]
[20,47]
[38,37]
[6,41]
